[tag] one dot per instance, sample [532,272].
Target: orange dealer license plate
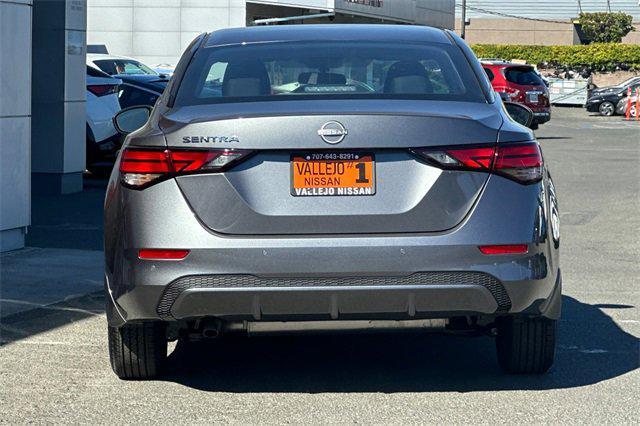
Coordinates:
[316,174]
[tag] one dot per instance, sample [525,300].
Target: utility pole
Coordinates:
[463,18]
[608,6]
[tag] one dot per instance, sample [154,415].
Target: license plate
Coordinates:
[333,174]
[533,98]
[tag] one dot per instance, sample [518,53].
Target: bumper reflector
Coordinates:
[505,249]
[162,254]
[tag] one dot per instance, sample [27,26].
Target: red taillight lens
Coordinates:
[521,162]
[511,92]
[505,249]
[474,158]
[103,89]
[162,254]
[140,167]
[134,161]
[460,158]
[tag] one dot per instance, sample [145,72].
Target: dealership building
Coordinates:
[43,44]
[157,31]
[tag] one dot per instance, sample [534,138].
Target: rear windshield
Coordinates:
[523,75]
[328,70]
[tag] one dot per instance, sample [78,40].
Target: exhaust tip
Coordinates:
[211,333]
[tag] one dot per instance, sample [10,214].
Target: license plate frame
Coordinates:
[349,161]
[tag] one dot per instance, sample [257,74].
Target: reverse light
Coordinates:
[504,249]
[162,254]
[142,167]
[521,162]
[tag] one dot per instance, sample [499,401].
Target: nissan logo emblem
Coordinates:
[332,132]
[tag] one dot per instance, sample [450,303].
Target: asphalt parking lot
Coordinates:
[54,364]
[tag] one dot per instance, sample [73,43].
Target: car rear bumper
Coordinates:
[369,276]
[246,297]
[251,298]
[541,117]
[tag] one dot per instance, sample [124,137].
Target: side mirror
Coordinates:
[521,114]
[131,119]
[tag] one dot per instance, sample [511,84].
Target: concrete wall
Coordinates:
[517,31]
[487,27]
[15,121]
[157,31]
[633,37]
[548,9]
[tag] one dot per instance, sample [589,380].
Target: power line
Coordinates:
[508,15]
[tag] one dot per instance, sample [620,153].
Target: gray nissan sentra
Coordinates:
[330,178]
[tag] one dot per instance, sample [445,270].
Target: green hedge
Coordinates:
[597,56]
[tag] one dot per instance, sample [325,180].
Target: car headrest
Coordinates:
[246,78]
[331,78]
[407,77]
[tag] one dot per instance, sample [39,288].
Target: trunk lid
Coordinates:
[256,196]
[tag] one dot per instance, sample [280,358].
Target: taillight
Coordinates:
[140,168]
[103,89]
[510,92]
[521,162]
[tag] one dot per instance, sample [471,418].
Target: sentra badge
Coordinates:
[210,139]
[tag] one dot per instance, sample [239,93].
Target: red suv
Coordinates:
[521,84]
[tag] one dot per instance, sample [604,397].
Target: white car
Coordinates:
[114,64]
[103,140]
[164,69]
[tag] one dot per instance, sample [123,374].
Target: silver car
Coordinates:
[383,185]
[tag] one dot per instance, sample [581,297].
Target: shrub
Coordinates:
[605,27]
[595,56]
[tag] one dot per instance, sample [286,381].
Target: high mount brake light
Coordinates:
[140,168]
[521,162]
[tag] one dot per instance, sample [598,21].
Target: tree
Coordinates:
[605,27]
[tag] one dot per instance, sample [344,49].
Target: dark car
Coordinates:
[520,84]
[140,89]
[605,101]
[633,81]
[384,185]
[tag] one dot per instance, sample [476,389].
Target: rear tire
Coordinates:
[138,351]
[526,345]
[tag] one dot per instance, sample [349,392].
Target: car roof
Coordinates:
[504,64]
[326,32]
